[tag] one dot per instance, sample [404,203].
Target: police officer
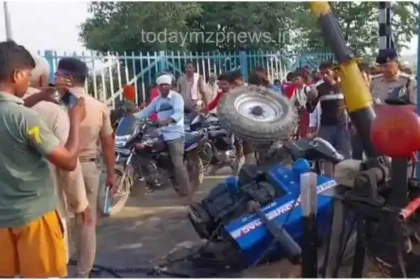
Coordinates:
[96,128]
[70,186]
[392,83]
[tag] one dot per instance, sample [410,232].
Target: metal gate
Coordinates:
[111,71]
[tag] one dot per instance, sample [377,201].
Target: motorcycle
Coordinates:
[220,148]
[142,157]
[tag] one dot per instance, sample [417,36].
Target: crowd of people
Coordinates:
[51,146]
[50,168]
[315,93]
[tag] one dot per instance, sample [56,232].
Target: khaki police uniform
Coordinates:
[70,187]
[381,88]
[97,124]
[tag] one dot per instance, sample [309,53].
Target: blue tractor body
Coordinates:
[247,231]
[251,235]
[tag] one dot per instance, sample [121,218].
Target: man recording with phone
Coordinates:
[70,186]
[70,81]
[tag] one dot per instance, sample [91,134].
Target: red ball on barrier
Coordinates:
[395,131]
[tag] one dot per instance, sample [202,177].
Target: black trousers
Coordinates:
[357,147]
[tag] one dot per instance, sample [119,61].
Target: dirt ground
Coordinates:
[149,227]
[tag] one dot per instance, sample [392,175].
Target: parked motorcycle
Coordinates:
[219,149]
[142,156]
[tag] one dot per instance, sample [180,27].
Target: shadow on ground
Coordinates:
[151,226]
[148,228]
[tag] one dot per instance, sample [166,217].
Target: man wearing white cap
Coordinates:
[169,107]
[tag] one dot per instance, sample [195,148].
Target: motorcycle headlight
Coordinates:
[121,141]
[149,141]
[120,144]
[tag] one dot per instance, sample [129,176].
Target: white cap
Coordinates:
[164,79]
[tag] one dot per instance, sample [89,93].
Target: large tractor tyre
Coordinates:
[256,114]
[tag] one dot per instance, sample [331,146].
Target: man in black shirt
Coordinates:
[334,119]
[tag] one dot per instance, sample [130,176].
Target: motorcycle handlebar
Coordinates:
[148,121]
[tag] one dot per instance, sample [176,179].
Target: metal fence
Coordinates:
[111,71]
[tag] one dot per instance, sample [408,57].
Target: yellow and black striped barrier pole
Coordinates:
[356,93]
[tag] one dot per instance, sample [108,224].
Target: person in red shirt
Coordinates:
[287,86]
[154,94]
[227,81]
[223,82]
[297,93]
[236,79]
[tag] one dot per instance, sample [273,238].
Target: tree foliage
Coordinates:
[358,22]
[118,26]
[263,25]
[205,26]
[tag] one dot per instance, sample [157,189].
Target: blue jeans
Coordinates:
[338,136]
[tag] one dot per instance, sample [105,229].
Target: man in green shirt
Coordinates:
[31,235]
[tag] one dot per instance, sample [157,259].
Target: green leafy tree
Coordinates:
[359,24]
[121,26]
[231,26]
[404,23]
[128,26]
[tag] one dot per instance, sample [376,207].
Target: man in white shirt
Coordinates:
[212,87]
[192,88]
